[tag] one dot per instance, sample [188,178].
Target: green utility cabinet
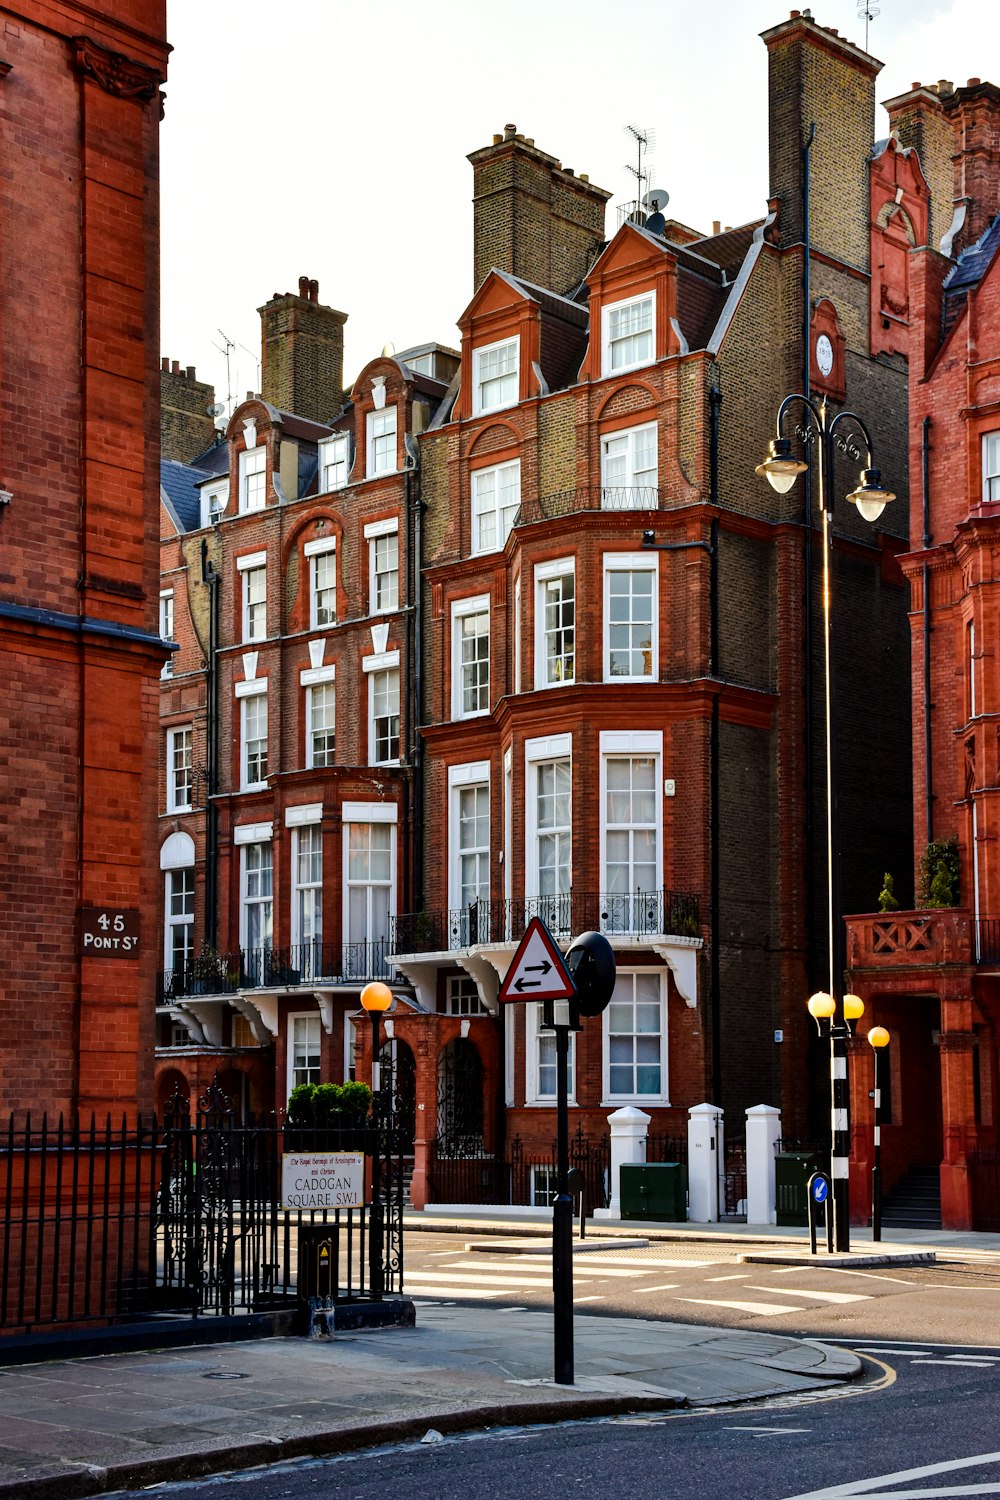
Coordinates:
[655,1191]
[792,1170]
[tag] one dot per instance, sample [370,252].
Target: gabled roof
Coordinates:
[728,250]
[974,262]
[179,493]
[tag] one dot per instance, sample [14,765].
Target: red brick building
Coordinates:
[80,653]
[930,974]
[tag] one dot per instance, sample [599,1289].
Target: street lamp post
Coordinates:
[781,469]
[375,999]
[879,1039]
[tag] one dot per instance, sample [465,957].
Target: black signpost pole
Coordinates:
[562,1222]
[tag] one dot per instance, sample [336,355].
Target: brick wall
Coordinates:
[302,344]
[186,424]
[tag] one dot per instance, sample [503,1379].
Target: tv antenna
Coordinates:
[867,13]
[643,140]
[256,360]
[226,348]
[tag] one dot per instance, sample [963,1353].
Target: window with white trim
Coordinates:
[496,500]
[630,612]
[304,1051]
[629,469]
[167,628]
[253,479]
[333,455]
[322,558]
[495,376]
[550,834]
[627,329]
[307,898]
[254,604]
[257,874]
[635,1039]
[214,499]
[555,623]
[368,886]
[462,997]
[383,717]
[991,466]
[383,566]
[180,769]
[540,1060]
[253,727]
[321,719]
[473,844]
[350,1050]
[178,908]
[470,656]
[381,442]
[631,830]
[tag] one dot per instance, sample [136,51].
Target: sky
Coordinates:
[330,140]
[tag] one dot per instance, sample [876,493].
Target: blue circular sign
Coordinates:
[820,1189]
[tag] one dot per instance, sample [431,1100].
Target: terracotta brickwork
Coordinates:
[79,456]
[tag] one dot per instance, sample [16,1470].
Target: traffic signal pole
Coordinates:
[562,1223]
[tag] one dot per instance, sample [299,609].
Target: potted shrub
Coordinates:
[940,874]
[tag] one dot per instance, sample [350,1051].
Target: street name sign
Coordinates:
[322,1179]
[538,970]
[109,932]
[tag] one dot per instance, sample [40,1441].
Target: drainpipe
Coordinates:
[807,570]
[414,571]
[925,495]
[715,928]
[210,577]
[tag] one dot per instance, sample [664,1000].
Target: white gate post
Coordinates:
[703,1165]
[763,1132]
[628,1148]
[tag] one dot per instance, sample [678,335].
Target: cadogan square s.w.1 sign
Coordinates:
[322,1179]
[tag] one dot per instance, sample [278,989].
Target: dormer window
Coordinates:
[333,463]
[382,442]
[214,499]
[991,466]
[253,477]
[627,329]
[495,376]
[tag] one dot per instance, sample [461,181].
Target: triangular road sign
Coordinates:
[538,970]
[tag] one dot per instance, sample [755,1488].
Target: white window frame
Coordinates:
[313,691]
[462,610]
[167,628]
[535,1040]
[626,745]
[214,499]
[637,490]
[175,735]
[350,1049]
[314,1019]
[663,1097]
[462,778]
[379,452]
[489,508]
[317,553]
[245,900]
[510,394]
[546,573]
[383,599]
[608,312]
[306,831]
[537,753]
[172,921]
[991,467]
[333,453]
[253,611]
[246,784]
[462,997]
[631,562]
[253,462]
[383,667]
[366,814]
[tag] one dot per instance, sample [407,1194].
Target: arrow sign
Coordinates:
[537,970]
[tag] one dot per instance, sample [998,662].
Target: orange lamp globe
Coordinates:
[854,1007]
[821,1005]
[376,997]
[878,1036]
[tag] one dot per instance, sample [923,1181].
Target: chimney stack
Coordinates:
[302,344]
[187,427]
[919,120]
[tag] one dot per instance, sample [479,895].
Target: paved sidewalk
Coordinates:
[88,1426]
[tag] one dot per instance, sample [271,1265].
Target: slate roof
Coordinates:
[974,262]
[179,492]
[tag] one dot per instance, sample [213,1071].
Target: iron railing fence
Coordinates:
[664,1147]
[589,497]
[987,940]
[212,973]
[526,1175]
[103,1222]
[733,1180]
[984,1175]
[630,914]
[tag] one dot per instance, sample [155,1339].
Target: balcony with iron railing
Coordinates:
[633,916]
[298,965]
[592,497]
[924,938]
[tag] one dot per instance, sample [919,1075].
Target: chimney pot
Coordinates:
[509,132]
[190,372]
[165,364]
[584,176]
[974,83]
[175,368]
[249,395]
[716,226]
[915,85]
[793,15]
[944,87]
[314,290]
[497,140]
[303,286]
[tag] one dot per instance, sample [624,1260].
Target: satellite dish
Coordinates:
[389,350]
[656,200]
[216,409]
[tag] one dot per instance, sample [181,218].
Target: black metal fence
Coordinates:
[523,1176]
[632,914]
[984,1174]
[110,1222]
[660,1147]
[213,973]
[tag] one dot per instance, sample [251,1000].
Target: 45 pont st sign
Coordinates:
[109,932]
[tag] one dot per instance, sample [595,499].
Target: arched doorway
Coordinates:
[459,1099]
[398,1072]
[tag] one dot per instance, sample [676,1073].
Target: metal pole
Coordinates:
[562,1224]
[877,1166]
[376,1279]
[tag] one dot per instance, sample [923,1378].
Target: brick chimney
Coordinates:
[532,216]
[302,352]
[817,77]
[186,424]
[975,113]
[920,121]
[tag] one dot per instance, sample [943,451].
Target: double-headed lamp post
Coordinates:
[781,469]
[879,1039]
[376,998]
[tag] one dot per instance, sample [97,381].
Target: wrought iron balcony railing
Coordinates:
[633,915]
[590,497]
[299,964]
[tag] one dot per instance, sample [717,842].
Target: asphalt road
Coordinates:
[919,1409]
[701,1282]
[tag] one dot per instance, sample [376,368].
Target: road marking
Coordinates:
[587,1299]
[512,1309]
[871,1275]
[670,1286]
[910,1346]
[872,1488]
[495,1281]
[798,1291]
[738,1276]
[962,1361]
[632,1260]
[949,1286]
[590,1271]
[770,1431]
[760,1309]
[439,1292]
